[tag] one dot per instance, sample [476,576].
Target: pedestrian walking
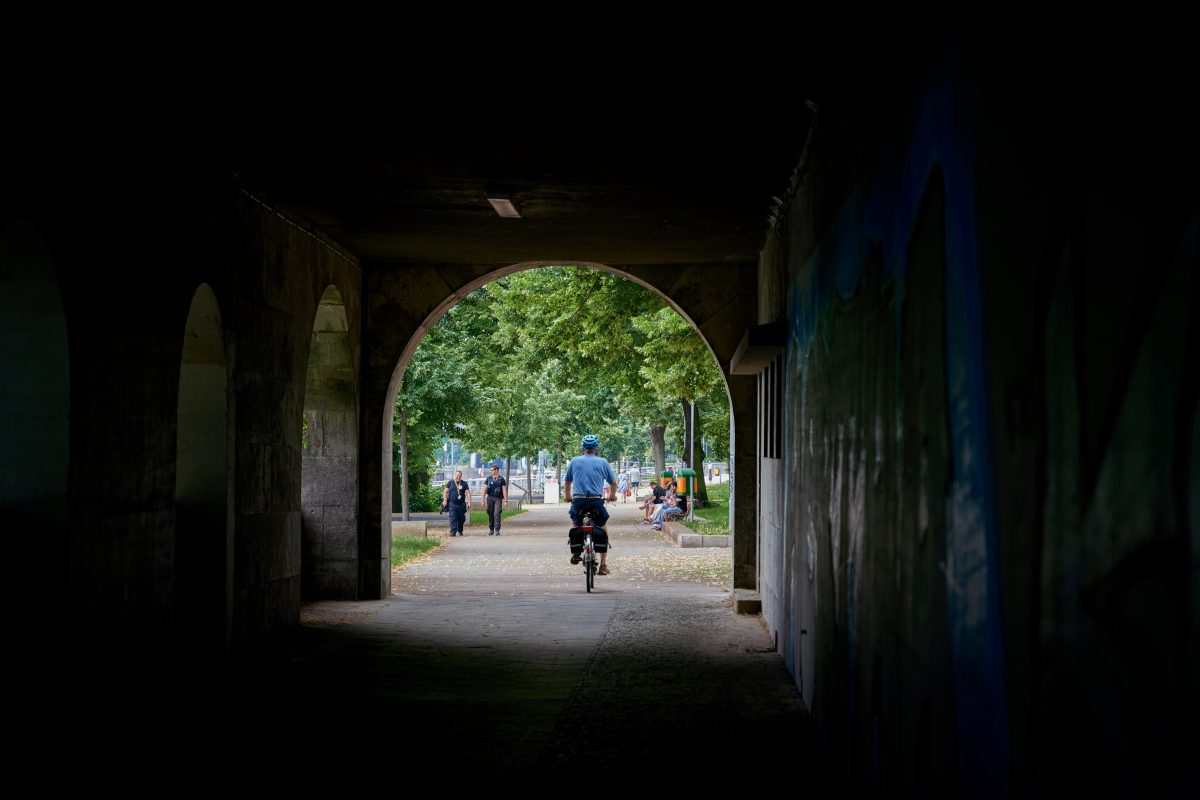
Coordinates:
[496,491]
[456,499]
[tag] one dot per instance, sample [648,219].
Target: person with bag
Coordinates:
[587,478]
[456,499]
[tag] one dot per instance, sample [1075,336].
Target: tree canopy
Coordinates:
[534,360]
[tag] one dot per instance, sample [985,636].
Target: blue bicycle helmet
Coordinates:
[591,442]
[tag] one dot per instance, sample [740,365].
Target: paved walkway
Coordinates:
[491,664]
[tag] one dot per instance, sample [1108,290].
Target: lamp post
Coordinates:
[691,459]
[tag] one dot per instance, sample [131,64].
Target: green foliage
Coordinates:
[424,497]
[437,389]
[676,362]
[713,413]
[536,359]
[406,548]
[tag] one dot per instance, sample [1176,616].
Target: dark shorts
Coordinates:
[593,504]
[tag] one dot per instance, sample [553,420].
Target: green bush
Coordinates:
[424,497]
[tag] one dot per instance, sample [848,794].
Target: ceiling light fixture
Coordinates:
[503,205]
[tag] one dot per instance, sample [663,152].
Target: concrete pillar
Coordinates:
[743,492]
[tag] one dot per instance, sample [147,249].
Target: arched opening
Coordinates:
[35,392]
[533,406]
[329,457]
[203,529]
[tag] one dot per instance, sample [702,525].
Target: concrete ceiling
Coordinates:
[668,189]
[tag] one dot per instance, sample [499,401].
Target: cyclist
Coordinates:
[584,483]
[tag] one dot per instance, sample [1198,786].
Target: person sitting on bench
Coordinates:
[671,508]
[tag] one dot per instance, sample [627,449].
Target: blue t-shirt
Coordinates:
[589,474]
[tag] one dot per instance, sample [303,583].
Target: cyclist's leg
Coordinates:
[600,514]
[575,537]
[601,520]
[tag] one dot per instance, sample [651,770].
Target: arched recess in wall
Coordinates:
[431,319]
[329,459]
[35,392]
[203,527]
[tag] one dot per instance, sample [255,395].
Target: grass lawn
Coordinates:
[480,517]
[406,548]
[714,519]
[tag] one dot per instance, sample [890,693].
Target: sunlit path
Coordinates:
[531,557]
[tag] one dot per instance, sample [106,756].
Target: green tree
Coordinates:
[685,370]
[438,393]
[536,359]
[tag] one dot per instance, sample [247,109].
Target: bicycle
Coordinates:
[587,555]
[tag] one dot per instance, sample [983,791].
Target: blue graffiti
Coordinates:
[883,214]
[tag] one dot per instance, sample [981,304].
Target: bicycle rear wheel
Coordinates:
[589,562]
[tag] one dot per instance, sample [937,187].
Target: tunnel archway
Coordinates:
[35,393]
[203,485]
[717,301]
[329,546]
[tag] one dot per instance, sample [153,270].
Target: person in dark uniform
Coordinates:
[495,488]
[456,498]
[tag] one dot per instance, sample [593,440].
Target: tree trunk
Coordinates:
[689,440]
[404,463]
[529,479]
[658,434]
[699,493]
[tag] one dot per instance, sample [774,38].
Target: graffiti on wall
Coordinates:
[866,335]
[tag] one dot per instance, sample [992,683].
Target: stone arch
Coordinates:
[203,485]
[35,393]
[718,300]
[329,546]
